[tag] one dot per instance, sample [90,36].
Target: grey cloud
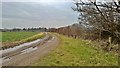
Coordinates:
[31,14]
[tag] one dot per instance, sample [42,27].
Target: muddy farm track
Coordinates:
[25,56]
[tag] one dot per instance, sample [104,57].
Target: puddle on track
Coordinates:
[20,46]
[29,50]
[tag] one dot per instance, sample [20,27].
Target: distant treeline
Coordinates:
[97,21]
[39,29]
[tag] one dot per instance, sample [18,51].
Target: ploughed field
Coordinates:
[11,39]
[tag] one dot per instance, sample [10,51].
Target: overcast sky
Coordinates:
[49,13]
[38,13]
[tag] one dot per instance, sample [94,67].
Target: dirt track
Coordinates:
[27,58]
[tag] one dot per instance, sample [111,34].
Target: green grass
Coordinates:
[75,52]
[11,39]
[0,36]
[34,37]
[16,36]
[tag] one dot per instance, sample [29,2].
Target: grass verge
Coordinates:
[75,52]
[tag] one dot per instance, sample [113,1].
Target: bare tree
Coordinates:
[101,16]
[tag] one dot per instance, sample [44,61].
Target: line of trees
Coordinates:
[97,21]
[103,17]
[40,29]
